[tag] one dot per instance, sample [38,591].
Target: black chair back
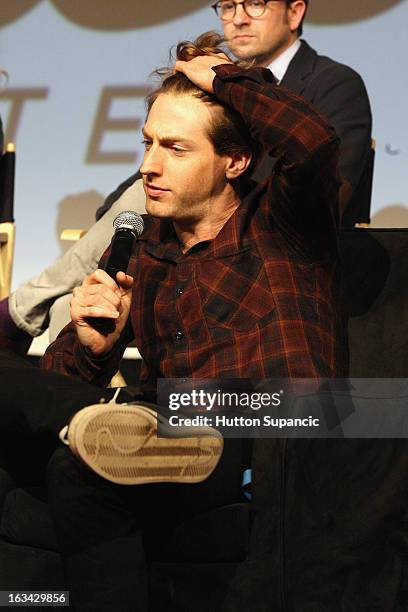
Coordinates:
[375,269]
[7,171]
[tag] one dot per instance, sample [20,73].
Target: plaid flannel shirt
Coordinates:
[262,299]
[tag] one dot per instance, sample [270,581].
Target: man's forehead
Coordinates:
[177,115]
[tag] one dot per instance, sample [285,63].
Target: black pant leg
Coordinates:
[99,535]
[34,405]
[35,401]
[99,525]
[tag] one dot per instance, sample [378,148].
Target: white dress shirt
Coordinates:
[280,65]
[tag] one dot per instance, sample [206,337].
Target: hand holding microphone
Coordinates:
[101,306]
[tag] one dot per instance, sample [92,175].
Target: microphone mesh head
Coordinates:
[129,220]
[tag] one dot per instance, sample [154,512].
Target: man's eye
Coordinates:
[178,150]
[147,143]
[226,6]
[255,3]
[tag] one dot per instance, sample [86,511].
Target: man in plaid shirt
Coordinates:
[227,281]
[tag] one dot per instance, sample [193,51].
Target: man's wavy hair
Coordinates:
[228,132]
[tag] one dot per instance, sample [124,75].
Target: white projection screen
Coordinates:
[78,71]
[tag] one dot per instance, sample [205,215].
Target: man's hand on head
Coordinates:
[100,297]
[199,70]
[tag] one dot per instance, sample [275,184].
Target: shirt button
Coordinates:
[179,291]
[179,335]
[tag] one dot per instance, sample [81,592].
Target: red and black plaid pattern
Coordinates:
[260,300]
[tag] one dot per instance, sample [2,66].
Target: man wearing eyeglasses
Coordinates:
[268,33]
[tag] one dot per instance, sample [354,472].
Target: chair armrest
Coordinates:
[7,233]
[72,234]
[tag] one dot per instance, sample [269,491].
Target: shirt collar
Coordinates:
[161,240]
[280,65]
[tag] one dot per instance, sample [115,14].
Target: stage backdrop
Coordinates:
[78,71]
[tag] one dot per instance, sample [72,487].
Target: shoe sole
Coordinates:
[120,443]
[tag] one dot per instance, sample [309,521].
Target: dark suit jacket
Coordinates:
[338,92]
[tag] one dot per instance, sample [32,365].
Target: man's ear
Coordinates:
[296,11]
[237,165]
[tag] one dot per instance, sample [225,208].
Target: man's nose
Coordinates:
[151,162]
[240,17]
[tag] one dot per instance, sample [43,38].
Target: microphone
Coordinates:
[128,226]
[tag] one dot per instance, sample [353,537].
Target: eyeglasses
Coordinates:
[226,10]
